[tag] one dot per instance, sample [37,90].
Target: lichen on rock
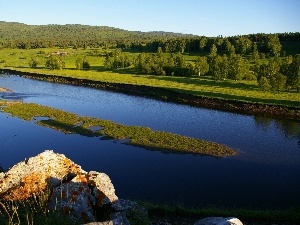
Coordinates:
[73,191]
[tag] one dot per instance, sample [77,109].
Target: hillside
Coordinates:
[12,33]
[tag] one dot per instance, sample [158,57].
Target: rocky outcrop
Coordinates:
[80,194]
[88,197]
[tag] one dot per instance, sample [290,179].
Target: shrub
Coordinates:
[55,62]
[249,76]
[264,84]
[82,63]
[33,63]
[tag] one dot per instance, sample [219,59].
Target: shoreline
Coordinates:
[163,94]
[2,89]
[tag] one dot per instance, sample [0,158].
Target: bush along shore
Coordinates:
[133,135]
[238,106]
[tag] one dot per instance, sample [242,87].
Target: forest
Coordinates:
[273,60]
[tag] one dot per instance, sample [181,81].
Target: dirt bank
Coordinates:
[163,94]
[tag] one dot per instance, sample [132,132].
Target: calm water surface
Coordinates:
[265,173]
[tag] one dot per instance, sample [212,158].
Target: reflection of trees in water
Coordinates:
[291,129]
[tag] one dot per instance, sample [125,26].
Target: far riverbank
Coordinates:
[223,104]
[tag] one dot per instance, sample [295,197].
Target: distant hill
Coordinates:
[72,34]
[23,36]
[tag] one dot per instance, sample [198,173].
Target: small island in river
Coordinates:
[2,89]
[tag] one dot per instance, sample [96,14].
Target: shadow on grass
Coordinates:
[67,128]
[98,68]
[225,97]
[125,71]
[206,81]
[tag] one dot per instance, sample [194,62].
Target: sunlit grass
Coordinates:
[32,211]
[247,91]
[137,136]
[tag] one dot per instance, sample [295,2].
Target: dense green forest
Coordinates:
[19,35]
[273,60]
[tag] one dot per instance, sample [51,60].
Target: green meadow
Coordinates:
[241,90]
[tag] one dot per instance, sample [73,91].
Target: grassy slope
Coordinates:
[204,86]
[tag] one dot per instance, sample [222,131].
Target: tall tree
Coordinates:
[278,82]
[218,67]
[264,84]
[242,45]
[294,73]
[213,51]
[238,67]
[201,66]
[179,60]
[273,45]
[268,70]
[255,53]
[202,43]
[228,48]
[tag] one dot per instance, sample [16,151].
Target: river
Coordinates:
[264,174]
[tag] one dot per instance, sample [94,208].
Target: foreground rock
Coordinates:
[88,197]
[82,195]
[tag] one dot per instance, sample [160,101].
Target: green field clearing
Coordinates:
[199,86]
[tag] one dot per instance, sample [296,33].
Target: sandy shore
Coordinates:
[4,89]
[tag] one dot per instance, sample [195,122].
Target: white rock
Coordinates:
[219,221]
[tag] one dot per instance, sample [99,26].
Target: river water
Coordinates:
[264,174]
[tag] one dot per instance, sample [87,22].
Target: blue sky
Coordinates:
[199,17]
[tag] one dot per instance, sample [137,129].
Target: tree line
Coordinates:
[22,36]
[18,35]
[276,73]
[271,59]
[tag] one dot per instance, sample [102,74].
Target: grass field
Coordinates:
[200,86]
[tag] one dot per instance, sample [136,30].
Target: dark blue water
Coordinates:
[265,173]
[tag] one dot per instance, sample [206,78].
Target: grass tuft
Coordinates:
[32,211]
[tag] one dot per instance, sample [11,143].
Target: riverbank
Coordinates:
[275,108]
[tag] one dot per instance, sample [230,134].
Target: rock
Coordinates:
[73,199]
[133,210]
[35,175]
[84,196]
[2,89]
[219,221]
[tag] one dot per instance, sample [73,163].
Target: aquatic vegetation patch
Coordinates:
[136,135]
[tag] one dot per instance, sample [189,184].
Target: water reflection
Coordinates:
[264,174]
[14,96]
[289,128]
